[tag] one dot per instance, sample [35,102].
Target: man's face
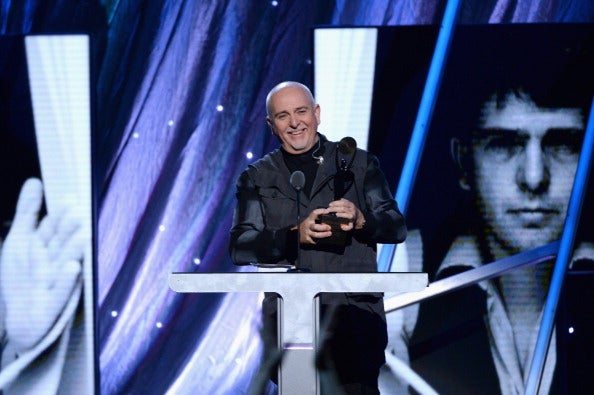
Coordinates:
[294,118]
[525,158]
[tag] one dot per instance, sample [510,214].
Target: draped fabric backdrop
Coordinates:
[180,89]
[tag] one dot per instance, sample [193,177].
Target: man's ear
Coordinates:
[317,113]
[460,157]
[269,122]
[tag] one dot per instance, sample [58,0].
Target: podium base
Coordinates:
[297,371]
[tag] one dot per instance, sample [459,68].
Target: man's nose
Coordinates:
[533,174]
[293,121]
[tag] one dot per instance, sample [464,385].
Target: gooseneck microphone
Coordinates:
[344,177]
[347,145]
[297,181]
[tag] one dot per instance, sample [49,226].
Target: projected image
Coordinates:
[495,180]
[45,246]
[506,134]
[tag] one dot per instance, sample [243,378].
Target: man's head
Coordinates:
[293,116]
[520,163]
[516,99]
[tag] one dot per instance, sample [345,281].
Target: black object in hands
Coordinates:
[338,235]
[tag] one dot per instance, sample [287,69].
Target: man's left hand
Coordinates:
[344,208]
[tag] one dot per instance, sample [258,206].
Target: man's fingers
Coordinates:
[28,206]
[66,231]
[320,231]
[347,227]
[62,284]
[344,208]
[310,230]
[73,248]
[320,228]
[319,211]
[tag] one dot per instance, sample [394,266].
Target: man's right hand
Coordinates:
[40,264]
[310,230]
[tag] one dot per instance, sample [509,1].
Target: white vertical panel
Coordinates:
[344,66]
[59,77]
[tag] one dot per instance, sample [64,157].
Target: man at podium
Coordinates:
[319,206]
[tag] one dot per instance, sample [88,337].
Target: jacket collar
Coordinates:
[325,172]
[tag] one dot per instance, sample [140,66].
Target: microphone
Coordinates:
[344,177]
[297,181]
[347,145]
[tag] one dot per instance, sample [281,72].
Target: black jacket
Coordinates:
[267,209]
[355,335]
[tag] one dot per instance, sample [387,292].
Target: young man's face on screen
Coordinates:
[525,158]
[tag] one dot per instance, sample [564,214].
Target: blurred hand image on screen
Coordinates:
[39,267]
[46,282]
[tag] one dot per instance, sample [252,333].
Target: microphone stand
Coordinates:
[297,181]
[298,259]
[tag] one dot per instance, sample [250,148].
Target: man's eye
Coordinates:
[562,142]
[508,145]
[302,111]
[281,116]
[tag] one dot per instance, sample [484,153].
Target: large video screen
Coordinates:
[495,178]
[46,253]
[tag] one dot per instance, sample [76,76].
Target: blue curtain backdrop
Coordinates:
[179,101]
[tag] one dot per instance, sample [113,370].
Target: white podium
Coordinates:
[297,316]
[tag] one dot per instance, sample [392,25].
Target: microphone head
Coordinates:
[347,145]
[297,180]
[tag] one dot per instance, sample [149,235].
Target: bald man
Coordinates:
[347,208]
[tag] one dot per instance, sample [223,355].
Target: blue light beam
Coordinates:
[561,264]
[420,130]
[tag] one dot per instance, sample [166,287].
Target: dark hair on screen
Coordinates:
[551,63]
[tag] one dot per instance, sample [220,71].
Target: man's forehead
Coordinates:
[290,93]
[286,100]
[519,114]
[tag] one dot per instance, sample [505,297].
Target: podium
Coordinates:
[297,316]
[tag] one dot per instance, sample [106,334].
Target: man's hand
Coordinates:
[39,267]
[310,230]
[346,209]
